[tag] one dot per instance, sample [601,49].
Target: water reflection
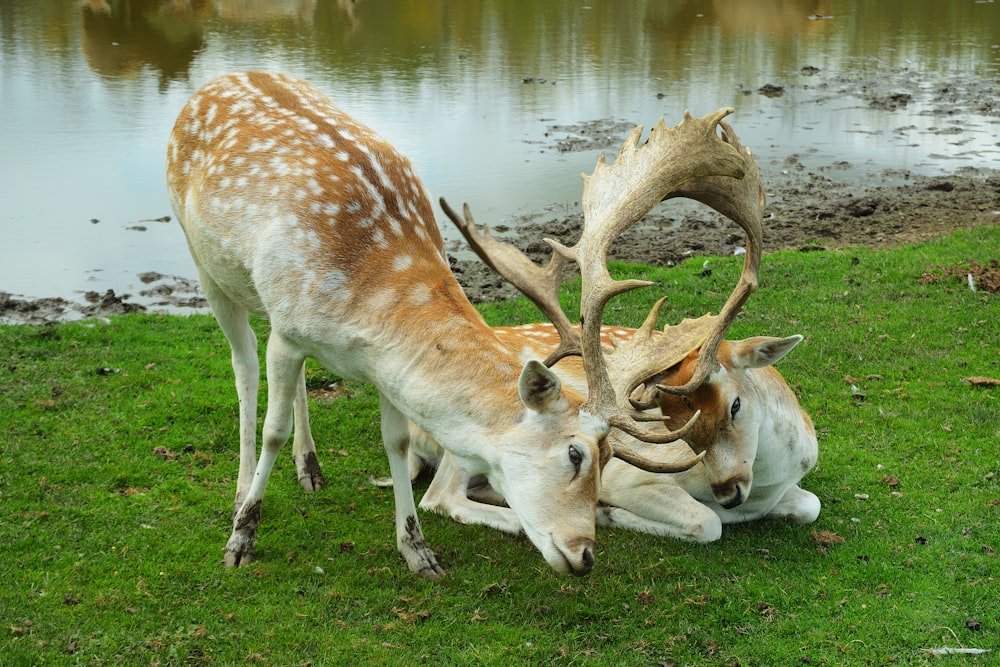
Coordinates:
[265,10]
[124,38]
[476,93]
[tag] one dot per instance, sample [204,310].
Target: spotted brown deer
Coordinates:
[294,211]
[757,441]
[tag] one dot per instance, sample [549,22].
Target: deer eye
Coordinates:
[734,408]
[575,457]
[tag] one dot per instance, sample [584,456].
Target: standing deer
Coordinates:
[296,212]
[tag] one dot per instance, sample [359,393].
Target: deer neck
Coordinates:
[434,357]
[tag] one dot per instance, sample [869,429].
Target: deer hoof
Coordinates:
[239,551]
[310,476]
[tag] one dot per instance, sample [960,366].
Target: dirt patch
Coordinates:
[975,276]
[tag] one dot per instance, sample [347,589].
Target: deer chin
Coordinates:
[575,557]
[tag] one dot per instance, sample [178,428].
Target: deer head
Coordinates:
[742,398]
[689,160]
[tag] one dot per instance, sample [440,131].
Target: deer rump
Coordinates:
[758,444]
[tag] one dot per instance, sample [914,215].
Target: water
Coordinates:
[471,91]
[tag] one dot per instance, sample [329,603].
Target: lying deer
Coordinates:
[758,445]
[296,212]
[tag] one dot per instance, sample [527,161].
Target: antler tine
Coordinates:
[743,202]
[538,284]
[615,197]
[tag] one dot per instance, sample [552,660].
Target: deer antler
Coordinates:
[689,160]
[742,201]
[615,197]
[538,284]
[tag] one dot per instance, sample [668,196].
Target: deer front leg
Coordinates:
[303,447]
[448,494]
[652,503]
[409,536]
[283,366]
[796,506]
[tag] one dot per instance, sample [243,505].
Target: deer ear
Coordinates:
[538,387]
[762,351]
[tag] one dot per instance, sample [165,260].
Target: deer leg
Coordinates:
[303,446]
[284,364]
[650,503]
[448,495]
[234,322]
[409,536]
[796,506]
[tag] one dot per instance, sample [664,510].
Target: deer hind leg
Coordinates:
[409,536]
[303,447]
[796,506]
[284,364]
[234,322]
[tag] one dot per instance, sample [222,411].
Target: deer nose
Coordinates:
[736,499]
[587,563]
[579,563]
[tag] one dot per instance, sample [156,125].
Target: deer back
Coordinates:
[309,212]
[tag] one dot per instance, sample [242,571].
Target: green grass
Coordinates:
[116,489]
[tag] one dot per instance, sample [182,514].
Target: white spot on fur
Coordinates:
[381,300]
[334,281]
[420,294]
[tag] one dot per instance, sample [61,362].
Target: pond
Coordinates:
[485,97]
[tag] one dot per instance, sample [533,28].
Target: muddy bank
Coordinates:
[805,210]
[161,293]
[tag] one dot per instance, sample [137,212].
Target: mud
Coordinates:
[805,211]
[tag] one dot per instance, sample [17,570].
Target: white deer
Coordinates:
[758,443]
[296,212]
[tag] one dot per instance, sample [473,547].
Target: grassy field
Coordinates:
[118,450]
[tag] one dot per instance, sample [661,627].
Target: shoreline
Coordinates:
[806,210]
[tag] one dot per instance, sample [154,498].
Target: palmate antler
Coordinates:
[689,160]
